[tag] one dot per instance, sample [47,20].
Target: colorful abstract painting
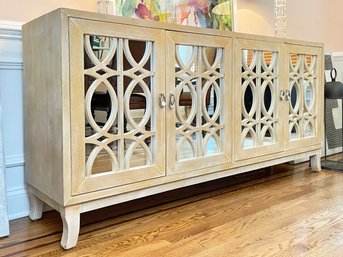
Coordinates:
[218,14]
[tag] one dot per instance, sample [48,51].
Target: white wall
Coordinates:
[26,10]
[255,17]
[310,20]
[12,101]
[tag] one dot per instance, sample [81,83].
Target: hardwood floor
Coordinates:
[287,210]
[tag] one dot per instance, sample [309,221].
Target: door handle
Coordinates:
[282,95]
[172,101]
[162,99]
[287,95]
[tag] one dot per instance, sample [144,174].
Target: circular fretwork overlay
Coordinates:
[118,79]
[259,95]
[199,100]
[302,84]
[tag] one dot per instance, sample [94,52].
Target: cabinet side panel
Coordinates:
[43,105]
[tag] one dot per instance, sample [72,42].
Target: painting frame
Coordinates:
[234,16]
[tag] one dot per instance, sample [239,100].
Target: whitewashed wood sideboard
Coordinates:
[117,109]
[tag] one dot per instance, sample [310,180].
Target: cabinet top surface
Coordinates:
[72,13]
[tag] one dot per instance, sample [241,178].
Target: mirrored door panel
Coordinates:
[302,83]
[258,118]
[118,108]
[121,79]
[199,101]
[259,98]
[303,88]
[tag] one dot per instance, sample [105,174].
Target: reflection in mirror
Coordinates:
[267,98]
[185,104]
[259,83]
[302,85]
[309,95]
[185,148]
[102,162]
[248,56]
[186,56]
[249,140]
[308,60]
[118,101]
[267,57]
[210,56]
[137,50]
[294,131]
[212,147]
[294,59]
[210,105]
[309,131]
[136,154]
[268,137]
[99,46]
[294,101]
[138,110]
[248,98]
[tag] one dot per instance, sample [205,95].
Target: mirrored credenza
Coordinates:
[118,109]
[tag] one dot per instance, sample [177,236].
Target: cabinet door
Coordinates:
[199,101]
[258,117]
[305,88]
[117,74]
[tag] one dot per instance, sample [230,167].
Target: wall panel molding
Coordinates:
[337,55]
[14,161]
[11,65]
[10,30]
[11,86]
[18,202]
[11,46]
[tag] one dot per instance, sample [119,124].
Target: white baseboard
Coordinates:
[17,195]
[17,203]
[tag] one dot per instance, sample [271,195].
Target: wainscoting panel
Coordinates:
[17,197]
[11,93]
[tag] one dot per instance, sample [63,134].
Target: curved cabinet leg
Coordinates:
[71,225]
[36,207]
[315,162]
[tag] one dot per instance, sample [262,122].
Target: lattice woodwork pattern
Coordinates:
[302,87]
[199,87]
[112,74]
[259,95]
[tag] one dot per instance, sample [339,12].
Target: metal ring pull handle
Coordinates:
[163,102]
[287,95]
[172,101]
[282,95]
